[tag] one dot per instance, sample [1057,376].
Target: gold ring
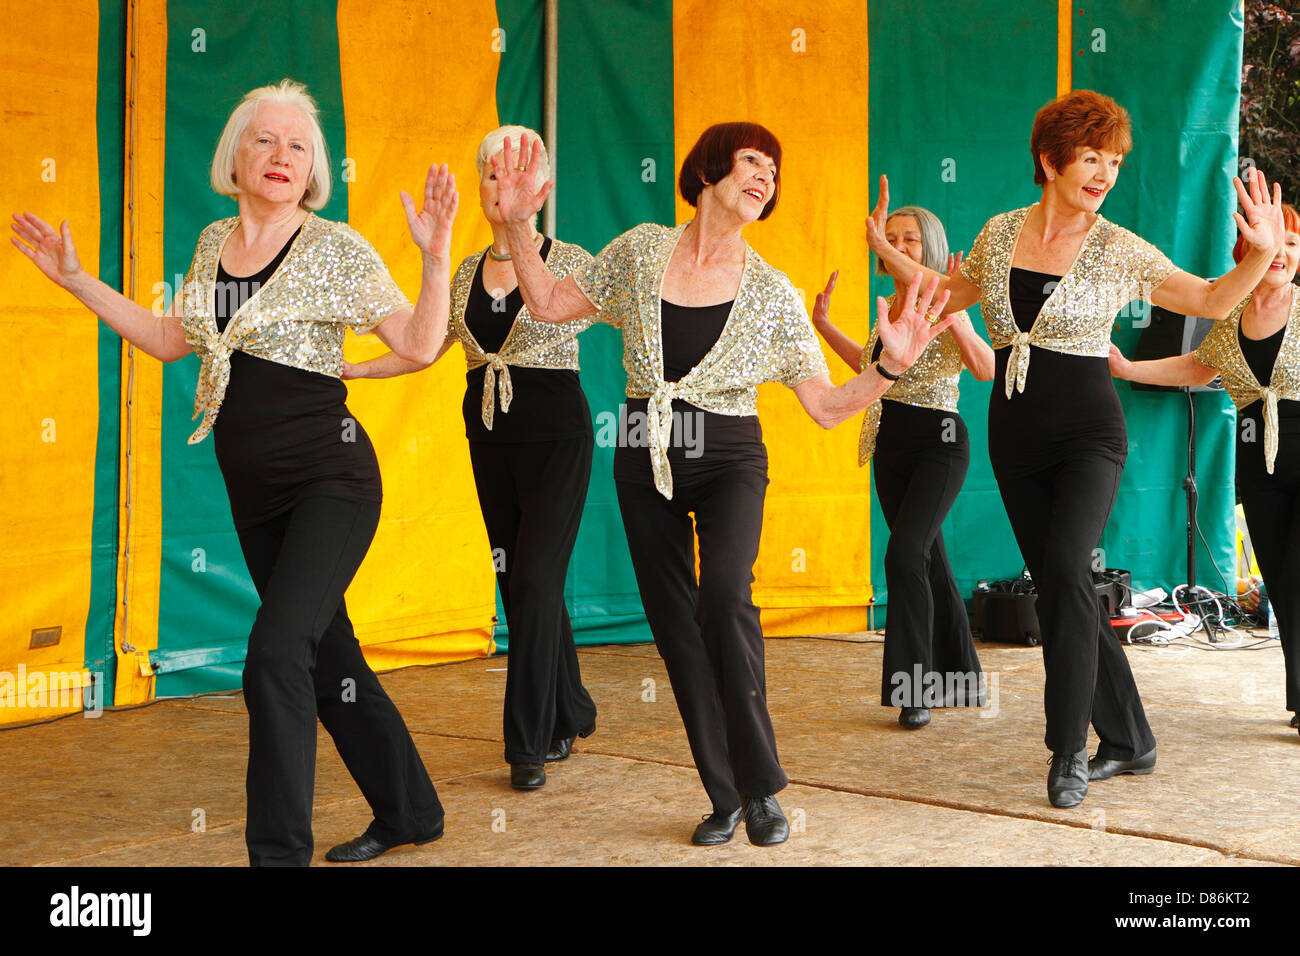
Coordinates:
[932,317]
[522,169]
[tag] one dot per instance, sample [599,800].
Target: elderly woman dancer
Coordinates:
[920,452]
[266,303]
[530,443]
[1050,279]
[705,321]
[1259,343]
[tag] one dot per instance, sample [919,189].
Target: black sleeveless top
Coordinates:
[284,434]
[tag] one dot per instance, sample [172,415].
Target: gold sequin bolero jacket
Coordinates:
[767,337]
[529,344]
[330,280]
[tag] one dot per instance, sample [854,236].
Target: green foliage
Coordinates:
[1270,92]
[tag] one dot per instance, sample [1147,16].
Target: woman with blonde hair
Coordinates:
[530,443]
[268,298]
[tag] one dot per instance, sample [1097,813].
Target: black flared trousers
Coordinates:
[708,631]
[1272,506]
[920,463]
[1058,514]
[304,663]
[532,495]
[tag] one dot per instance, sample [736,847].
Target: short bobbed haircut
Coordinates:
[493,142]
[286,91]
[1290,220]
[1080,118]
[714,156]
[934,240]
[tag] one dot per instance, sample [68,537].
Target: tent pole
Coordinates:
[551,95]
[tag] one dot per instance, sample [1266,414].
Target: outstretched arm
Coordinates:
[902,339]
[417,335]
[1264,230]
[1175,370]
[961,293]
[389,364]
[162,336]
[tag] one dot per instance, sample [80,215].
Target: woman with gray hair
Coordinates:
[530,444]
[921,452]
[266,303]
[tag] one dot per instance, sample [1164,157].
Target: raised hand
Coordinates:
[879,215]
[1262,225]
[517,199]
[822,307]
[431,226]
[954,264]
[53,252]
[906,337]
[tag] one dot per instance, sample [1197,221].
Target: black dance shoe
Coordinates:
[527,776]
[1295,720]
[1067,779]
[716,828]
[1102,769]
[561,747]
[765,824]
[913,718]
[366,847]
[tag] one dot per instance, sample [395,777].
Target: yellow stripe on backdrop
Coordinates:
[419,86]
[800,69]
[139,556]
[49,166]
[1064,47]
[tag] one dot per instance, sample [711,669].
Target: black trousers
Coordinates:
[304,662]
[1272,506]
[920,463]
[708,631]
[1058,514]
[532,495]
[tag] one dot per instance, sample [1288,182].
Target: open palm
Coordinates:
[53,252]
[1262,224]
[517,198]
[431,226]
[906,337]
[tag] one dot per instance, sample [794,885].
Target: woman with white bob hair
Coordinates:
[530,443]
[266,303]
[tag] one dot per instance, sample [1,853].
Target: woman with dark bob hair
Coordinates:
[705,321]
[1256,352]
[268,298]
[918,445]
[1050,279]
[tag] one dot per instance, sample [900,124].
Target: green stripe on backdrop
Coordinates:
[614,170]
[1180,79]
[110,109]
[206,600]
[931,71]
[520,79]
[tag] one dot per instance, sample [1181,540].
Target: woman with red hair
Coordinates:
[1256,352]
[705,321]
[1050,279]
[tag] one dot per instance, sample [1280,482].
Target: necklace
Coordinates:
[505,256]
